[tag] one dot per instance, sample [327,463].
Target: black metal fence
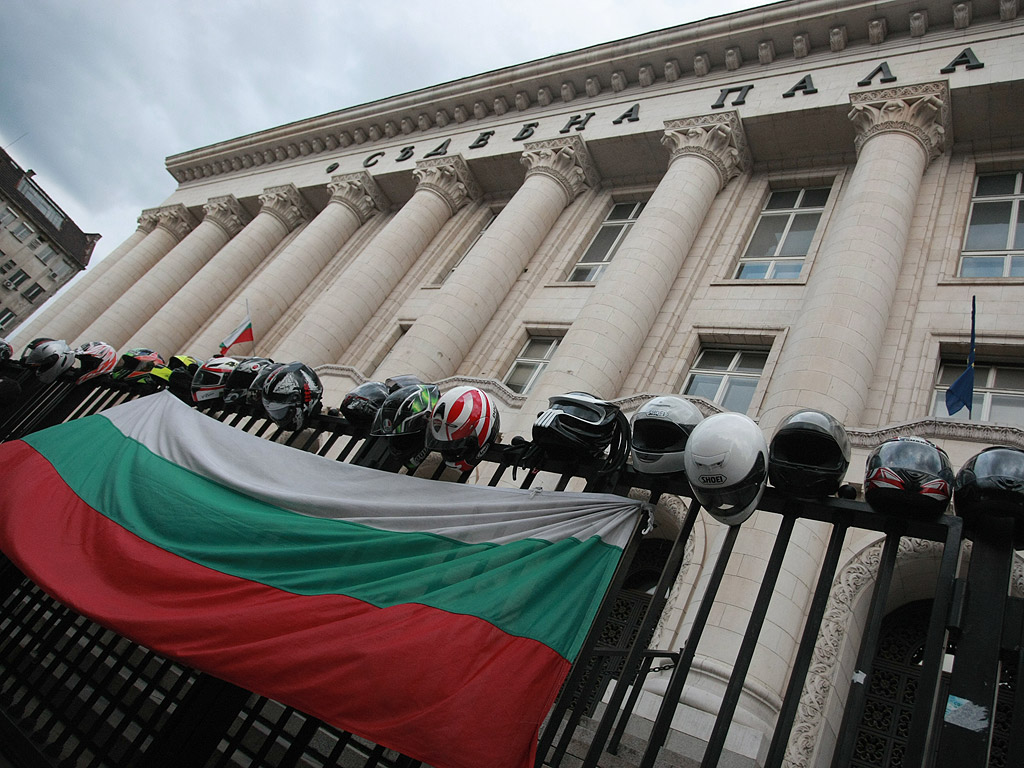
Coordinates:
[75,694]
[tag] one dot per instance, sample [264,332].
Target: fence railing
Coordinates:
[75,694]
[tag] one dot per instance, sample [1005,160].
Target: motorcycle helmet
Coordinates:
[394,383]
[403,418]
[360,406]
[462,426]
[908,476]
[291,394]
[809,454]
[991,484]
[660,429]
[238,385]
[49,359]
[135,364]
[181,370]
[95,358]
[580,422]
[207,385]
[32,345]
[6,351]
[726,462]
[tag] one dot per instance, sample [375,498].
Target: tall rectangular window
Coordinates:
[726,377]
[6,317]
[531,361]
[783,234]
[7,216]
[998,392]
[994,242]
[18,277]
[22,231]
[33,292]
[452,266]
[606,242]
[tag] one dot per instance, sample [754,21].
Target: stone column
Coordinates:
[557,171]
[598,351]
[201,297]
[338,315]
[82,285]
[828,361]
[354,199]
[224,219]
[166,227]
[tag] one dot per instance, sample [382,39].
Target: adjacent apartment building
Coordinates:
[791,206]
[41,248]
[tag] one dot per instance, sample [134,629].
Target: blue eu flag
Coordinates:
[961,392]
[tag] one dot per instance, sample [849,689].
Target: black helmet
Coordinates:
[135,364]
[991,484]
[403,418]
[908,476]
[238,384]
[809,454]
[726,462]
[583,423]
[660,430]
[360,406]
[291,394]
[395,383]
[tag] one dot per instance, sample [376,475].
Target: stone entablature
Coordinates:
[729,44]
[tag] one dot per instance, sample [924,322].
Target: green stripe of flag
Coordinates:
[186,514]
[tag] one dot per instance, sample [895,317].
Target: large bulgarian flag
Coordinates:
[434,618]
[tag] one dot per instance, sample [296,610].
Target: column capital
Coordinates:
[226,212]
[287,204]
[175,219]
[718,138]
[566,160]
[449,178]
[921,111]
[359,192]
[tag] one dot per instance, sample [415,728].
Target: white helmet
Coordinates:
[726,462]
[50,359]
[661,428]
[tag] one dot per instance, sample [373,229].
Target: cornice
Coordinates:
[734,42]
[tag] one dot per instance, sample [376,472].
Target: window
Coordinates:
[7,266]
[33,292]
[607,241]
[783,234]
[44,251]
[994,243]
[6,317]
[63,268]
[447,272]
[727,377]
[43,203]
[22,231]
[7,216]
[998,392]
[18,278]
[531,361]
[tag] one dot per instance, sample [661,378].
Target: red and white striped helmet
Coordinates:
[462,427]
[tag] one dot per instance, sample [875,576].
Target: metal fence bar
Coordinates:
[716,742]
[845,743]
[663,721]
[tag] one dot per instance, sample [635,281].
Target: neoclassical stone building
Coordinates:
[789,206]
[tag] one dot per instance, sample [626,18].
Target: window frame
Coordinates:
[539,363]
[33,292]
[10,315]
[1013,252]
[597,268]
[984,390]
[790,213]
[729,374]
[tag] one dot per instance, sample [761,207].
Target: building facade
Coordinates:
[786,207]
[41,248]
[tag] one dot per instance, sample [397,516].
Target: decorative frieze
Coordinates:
[522,100]
[566,160]
[672,71]
[226,212]
[449,178]
[593,86]
[568,91]
[359,192]
[719,139]
[286,204]
[733,58]
[1007,10]
[619,81]
[921,111]
[837,38]
[645,75]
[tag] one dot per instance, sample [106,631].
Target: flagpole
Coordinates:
[249,315]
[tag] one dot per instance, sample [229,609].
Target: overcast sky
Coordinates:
[95,95]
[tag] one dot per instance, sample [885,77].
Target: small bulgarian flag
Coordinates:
[242,333]
[436,619]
